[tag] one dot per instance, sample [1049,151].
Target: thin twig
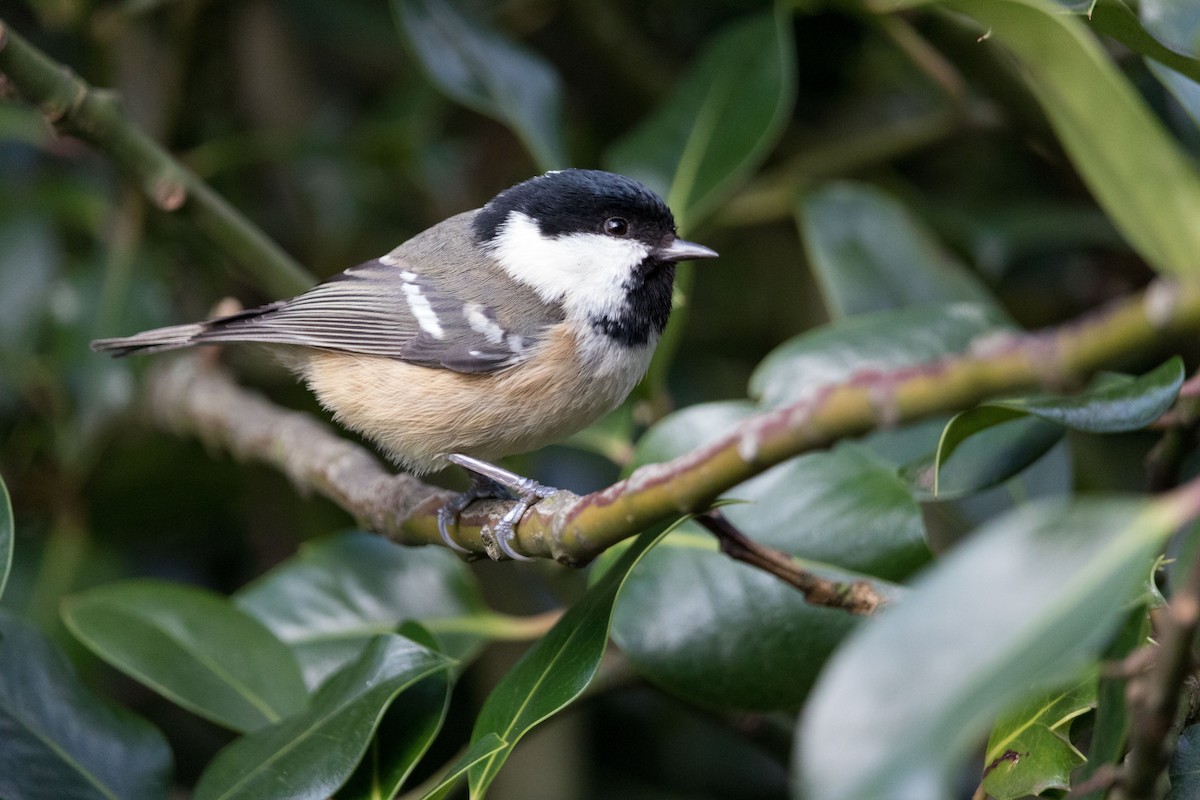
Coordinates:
[857,597]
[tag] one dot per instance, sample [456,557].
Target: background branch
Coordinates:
[74,107]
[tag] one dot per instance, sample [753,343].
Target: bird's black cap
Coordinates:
[579,201]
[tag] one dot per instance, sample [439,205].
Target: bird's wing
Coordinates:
[384,307]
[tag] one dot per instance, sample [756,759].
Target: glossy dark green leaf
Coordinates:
[843,507]
[720,122]
[7,536]
[979,449]
[480,67]
[905,443]
[989,444]
[1029,750]
[1137,173]
[193,647]
[333,596]
[310,754]
[1184,770]
[1111,404]
[747,640]
[1176,24]
[554,671]
[887,340]
[1160,33]
[689,428]
[1026,603]
[478,751]
[869,253]
[404,734]
[61,741]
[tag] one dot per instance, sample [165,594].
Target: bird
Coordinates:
[494,332]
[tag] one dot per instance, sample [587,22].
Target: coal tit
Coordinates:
[494,332]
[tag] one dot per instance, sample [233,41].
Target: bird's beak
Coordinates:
[680,250]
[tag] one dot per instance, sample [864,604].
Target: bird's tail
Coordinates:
[154,341]
[230,328]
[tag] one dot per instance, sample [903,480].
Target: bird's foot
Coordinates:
[489,480]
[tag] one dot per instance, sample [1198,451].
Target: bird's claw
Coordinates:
[488,480]
[448,515]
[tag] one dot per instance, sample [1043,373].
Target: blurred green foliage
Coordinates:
[885,186]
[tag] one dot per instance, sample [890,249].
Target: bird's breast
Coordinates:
[419,414]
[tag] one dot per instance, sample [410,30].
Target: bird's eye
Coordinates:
[616,226]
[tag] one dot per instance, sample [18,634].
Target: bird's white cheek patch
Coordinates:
[586,271]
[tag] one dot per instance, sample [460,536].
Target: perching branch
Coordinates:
[997,365]
[573,530]
[72,106]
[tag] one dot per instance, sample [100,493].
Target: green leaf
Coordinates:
[1026,603]
[1177,25]
[747,641]
[191,646]
[688,429]
[478,751]
[311,754]
[1136,172]
[476,65]
[887,340]
[869,253]
[842,508]
[721,121]
[1007,435]
[404,734]
[1111,404]
[1028,751]
[987,445]
[336,593]
[7,536]
[979,449]
[60,740]
[554,671]
[1163,37]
